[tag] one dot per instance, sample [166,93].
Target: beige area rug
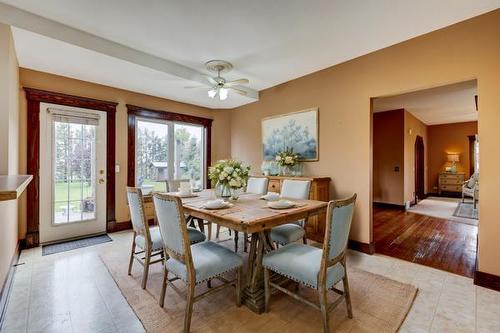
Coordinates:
[441,207]
[379,305]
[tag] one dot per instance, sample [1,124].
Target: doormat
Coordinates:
[74,244]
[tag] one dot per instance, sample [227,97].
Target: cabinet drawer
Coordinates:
[274,186]
[452,177]
[450,181]
[451,188]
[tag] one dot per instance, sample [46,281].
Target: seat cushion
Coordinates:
[209,260]
[287,233]
[195,236]
[155,239]
[301,263]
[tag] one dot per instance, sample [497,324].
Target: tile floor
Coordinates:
[73,292]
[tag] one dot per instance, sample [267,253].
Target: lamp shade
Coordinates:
[453,157]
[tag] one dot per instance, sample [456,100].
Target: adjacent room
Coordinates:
[426,176]
[249,166]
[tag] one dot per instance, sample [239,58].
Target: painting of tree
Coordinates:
[297,131]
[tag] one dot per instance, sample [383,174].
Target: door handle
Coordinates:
[101,181]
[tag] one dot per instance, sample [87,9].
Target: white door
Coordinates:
[72,172]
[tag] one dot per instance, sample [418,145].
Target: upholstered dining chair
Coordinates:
[292,232]
[470,188]
[319,269]
[147,239]
[194,264]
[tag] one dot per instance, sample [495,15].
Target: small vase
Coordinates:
[235,193]
[223,191]
[286,170]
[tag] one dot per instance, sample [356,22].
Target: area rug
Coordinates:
[379,305]
[466,210]
[441,207]
[74,244]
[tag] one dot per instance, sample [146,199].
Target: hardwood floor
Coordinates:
[430,241]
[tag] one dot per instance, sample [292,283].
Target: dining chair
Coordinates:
[292,232]
[194,264]
[146,238]
[319,269]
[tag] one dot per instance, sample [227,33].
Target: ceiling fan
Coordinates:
[220,87]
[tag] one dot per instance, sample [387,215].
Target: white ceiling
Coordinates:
[452,103]
[269,42]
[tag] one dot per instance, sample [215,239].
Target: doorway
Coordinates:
[72,172]
[419,169]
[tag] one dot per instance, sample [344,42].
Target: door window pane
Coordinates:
[189,153]
[74,172]
[151,168]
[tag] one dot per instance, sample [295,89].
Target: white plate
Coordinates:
[271,197]
[186,195]
[281,204]
[214,205]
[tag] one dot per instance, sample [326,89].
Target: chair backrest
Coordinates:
[174,184]
[295,189]
[173,227]
[472,180]
[137,216]
[338,225]
[257,185]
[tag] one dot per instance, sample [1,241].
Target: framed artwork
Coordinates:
[298,131]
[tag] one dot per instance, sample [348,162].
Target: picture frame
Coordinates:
[297,130]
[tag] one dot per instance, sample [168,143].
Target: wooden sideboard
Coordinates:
[451,182]
[320,190]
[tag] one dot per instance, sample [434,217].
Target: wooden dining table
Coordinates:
[250,214]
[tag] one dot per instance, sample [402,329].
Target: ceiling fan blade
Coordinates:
[210,79]
[238,91]
[194,87]
[236,82]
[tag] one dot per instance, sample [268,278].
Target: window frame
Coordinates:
[136,113]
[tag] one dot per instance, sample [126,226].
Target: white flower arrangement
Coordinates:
[287,158]
[230,173]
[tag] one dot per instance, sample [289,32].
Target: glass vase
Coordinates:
[223,191]
[235,193]
[286,170]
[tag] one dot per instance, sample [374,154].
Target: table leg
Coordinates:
[253,294]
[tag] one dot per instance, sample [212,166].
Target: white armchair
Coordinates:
[470,188]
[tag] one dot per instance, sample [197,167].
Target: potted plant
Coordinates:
[228,177]
[287,159]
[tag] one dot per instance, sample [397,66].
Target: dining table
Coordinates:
[250,214]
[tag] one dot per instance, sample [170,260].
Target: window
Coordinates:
[167,149]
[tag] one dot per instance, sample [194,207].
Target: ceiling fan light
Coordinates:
[212,93]
[223,94]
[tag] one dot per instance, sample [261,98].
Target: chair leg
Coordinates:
[304,239]
[236,239]
[347,294]
[217,230]
[209,227]
[267,291]
[209,284]
[163,288]
[201,225]
[147,259]
[189,307]
[131,262]
[324,308]
[245,242]
[239,274]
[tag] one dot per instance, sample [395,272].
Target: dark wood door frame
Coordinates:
[34,98]
[419,168]
[137,111]
[472,140]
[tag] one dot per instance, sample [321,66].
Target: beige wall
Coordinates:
[9,121]
[413,128]
[465,51]
[388,153]
[448,138]
[221,147]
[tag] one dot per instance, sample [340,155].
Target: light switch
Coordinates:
[117,168]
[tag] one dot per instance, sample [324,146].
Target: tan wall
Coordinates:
[413,128]
[465,51]
[9,122]
[448,138]
[388,153]
[221,147]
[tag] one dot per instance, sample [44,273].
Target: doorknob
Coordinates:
[101,181]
